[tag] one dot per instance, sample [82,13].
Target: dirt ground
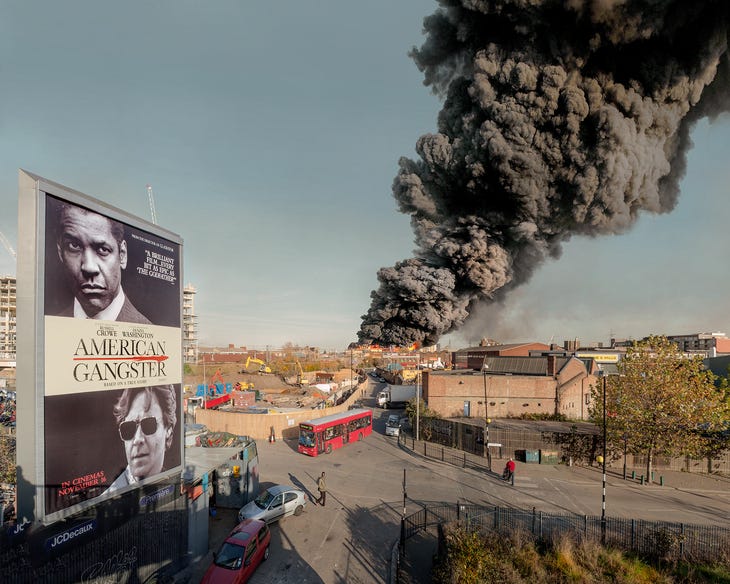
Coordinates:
[273,389]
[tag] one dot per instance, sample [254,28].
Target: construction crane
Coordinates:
[7,245]
[152,204]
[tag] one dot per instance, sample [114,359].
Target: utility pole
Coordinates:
[603,461]
[418,400]
[487,421]
[403,519]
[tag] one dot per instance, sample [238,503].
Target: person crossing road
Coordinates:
[322,488]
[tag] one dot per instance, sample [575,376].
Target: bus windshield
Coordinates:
[306,438]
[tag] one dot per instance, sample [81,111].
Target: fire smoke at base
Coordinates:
[560,118]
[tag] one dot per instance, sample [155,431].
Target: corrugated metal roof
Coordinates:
[491,348]
[522,365]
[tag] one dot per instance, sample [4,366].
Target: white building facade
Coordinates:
[8,293]
[189,326]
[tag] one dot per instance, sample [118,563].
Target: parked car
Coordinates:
[240,553]
[274,503]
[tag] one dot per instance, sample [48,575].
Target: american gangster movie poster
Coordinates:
[112,356]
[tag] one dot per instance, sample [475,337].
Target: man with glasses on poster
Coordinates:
[146,417]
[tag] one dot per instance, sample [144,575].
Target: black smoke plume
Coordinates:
[560,118]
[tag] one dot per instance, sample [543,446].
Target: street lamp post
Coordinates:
[403,518]
[205,387]
[418,401]
[486,418]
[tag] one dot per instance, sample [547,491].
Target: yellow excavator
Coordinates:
[300,376]
[256,366]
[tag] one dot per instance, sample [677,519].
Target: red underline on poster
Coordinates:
[158,358]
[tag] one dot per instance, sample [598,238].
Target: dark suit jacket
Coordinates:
[128,313]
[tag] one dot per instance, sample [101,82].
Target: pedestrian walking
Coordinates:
[322,488]
[509,471]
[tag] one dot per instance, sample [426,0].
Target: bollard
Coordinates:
[642,479]
[633,475]
[652,476]
[661,480]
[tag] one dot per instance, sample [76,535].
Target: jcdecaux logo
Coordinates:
[69,535]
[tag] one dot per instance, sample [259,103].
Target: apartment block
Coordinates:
[708,344]
[189,326]
[8,329]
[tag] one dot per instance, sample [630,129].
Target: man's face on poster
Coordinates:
[92,257]
[144,440]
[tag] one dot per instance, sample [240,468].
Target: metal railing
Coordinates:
[658,539]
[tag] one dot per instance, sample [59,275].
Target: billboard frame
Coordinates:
[33,352]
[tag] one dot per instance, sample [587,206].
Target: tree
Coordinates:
[7,459]
[425,417]
[661,402]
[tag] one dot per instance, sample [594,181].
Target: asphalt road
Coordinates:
[351,539]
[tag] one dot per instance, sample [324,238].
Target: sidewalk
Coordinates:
[680,480]
[415,566]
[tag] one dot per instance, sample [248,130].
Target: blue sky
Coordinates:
[270,133]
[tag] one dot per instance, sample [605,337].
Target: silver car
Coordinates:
[393,425]
[274,503]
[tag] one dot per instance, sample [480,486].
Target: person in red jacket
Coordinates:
[509,470]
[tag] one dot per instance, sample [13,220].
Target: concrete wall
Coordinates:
[258,426]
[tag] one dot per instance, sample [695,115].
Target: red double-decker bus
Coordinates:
[334,431]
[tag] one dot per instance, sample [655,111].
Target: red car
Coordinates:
[240,554]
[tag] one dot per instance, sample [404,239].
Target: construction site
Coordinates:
[255,387]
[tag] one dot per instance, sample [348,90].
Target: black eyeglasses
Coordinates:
[128,429]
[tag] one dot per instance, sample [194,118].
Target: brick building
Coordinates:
[513,386]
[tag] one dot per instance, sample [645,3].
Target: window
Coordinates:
[263,533]
[289,497]
[250,550]
[361,422]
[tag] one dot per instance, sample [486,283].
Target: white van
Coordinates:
[392,425]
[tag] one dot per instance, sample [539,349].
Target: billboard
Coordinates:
[101,315]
